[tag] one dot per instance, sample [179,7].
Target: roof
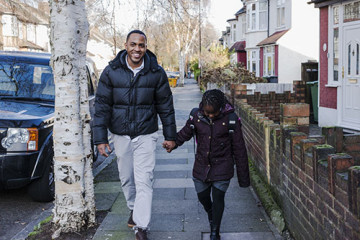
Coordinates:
[238,46]
[26,44]
[272,39]
[232,19]
[242,10]
[323,3]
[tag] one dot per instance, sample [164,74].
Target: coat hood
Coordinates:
[150,59]
[224,111]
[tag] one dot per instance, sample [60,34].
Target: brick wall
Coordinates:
[328,95]
[269,104]
[317,188]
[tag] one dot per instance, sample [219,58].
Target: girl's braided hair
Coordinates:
[214,98]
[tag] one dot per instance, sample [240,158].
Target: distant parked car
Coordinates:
[27,94]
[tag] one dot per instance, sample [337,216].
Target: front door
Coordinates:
[350,106]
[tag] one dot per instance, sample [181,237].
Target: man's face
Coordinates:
[135,47]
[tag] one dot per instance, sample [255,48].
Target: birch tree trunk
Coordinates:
[74,208]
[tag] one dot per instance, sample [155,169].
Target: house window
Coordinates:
[10,28]
[336,54]
[268,62]
[234,36]
[336,15]
[280,6]
[234,26]
[30,33]
[263,14]
[257,15]
[352,11]
[252,64]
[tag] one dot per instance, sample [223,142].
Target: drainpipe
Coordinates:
[268,23]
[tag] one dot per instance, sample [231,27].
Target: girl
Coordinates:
[217,150]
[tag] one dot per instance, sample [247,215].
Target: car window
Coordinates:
[26,80]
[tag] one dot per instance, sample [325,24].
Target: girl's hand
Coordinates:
[169,145]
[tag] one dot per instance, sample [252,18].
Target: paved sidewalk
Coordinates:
[176,212]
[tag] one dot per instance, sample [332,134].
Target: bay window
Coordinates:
[256,14]
[280,11]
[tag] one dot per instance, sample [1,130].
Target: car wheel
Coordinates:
[43,189]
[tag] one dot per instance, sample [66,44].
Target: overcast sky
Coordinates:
[222,10]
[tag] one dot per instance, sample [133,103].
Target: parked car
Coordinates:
[27,97]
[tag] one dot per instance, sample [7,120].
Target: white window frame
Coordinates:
[253,16]
[280,13]
[253,57]
[331,47]
[266,55]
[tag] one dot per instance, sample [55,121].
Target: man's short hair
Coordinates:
[136,31]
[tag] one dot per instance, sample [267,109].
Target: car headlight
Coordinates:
[21,139]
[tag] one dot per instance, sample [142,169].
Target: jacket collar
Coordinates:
[150,61]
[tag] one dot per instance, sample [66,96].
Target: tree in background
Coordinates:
[74,205]
[184,21]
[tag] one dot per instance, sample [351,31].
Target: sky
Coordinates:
[222,10]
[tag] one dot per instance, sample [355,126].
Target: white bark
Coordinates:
[74,196]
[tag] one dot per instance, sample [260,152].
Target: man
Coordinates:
[133,90]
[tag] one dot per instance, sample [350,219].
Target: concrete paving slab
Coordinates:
[174,183]
[170,174]
[171,161]
[119,206]
[168,194]
[173,167]
[167,222]
[243,236]
[175,235]
[104,201]
[107,187]
[174,206]
[114,235]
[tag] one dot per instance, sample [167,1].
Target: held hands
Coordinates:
[169,145]
[102,149]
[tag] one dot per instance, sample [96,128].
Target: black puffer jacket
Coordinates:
[129,105]
[217,151]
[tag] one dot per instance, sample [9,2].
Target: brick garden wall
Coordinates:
[269,104]
[315,181]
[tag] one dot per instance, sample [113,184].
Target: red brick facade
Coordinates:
[328,95]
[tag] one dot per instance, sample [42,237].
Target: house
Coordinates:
[339,71]
[23,27]
[238,44]
[290,40]
[277,37]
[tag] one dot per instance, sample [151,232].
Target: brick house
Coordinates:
[339,74]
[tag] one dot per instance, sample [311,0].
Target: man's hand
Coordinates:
[102,149]
[169,145]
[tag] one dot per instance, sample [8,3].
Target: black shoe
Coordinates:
[215,233]
[131,222]
[141,234]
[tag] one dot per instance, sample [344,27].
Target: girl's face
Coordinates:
[210,112]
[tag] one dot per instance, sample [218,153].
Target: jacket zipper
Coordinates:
[211,133]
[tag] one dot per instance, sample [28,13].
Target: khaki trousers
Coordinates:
[136,163]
